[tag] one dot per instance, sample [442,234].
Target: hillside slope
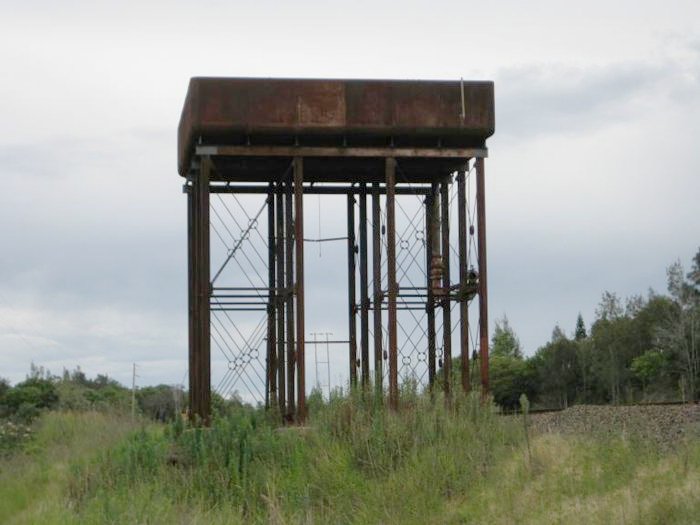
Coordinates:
[353,463]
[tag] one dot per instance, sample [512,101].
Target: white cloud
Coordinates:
[592,180]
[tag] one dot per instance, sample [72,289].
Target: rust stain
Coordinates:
[221,107]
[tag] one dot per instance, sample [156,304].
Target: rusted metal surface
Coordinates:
[271,366]
[205,291]
[289,220]
[407,144]
[346,170]
[240,109]
[430,242]
[191,295]
[446,312]
[483,290]
[364,291]
[299,267]
[463,275]
[364,152]
[317,190]
[391,282]
[377,289]
[352,302]
[200,371]
[282,320]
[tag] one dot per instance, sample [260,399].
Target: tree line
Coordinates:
[643,349]
[74,390]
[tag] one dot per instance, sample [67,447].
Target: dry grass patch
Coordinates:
[589,480]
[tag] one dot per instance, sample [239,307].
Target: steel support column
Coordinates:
[463,275]
[390,172]
[299,234]
[446,313]
[377,288]
[205,291]
[200,290]
[271,361]
[364,291]
[281,298]
[352,303]
[430,244]
[289,263]
[483,291]
[191,294]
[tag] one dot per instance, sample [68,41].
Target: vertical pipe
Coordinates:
[377,289]
[463,307]
[289,254]
[271,361]
[281,299]
[436,256]
[191,293]
[430,305]
[195,390]
[204,293]
[390,168]
[352,319]
[483,293]
[364,291]
[299,233]
[446,314]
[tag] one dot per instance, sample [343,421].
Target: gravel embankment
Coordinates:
[663,423]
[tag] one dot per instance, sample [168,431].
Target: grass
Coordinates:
[353,463]
[584,480]
[33,482]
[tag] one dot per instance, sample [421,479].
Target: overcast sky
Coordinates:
[592,181]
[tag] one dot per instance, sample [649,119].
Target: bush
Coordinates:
[72,396]
[13,436]
[35,391]
[648,367]
[26,413]
[510,378]
[161,402]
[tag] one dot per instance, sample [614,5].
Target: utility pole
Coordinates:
[133,392]
[176,390]
[316,343]
[328,364]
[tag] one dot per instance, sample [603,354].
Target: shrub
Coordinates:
[13,436]
[510,378]
[36,391]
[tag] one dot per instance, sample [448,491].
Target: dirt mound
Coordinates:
[665,424]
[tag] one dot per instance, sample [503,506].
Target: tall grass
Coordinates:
[583,480]
[32,482]
[353,462]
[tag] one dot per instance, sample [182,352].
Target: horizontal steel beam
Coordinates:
[307,151]
[236,309]
[316,190]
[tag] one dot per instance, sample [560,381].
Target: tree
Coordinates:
[647,367]
[4,388]
[609,307]
[680,335]
[580,332]
[159,402]
[504,342]
[694,273]
[38,390]
[510,377]
[585,359]
[556,365]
